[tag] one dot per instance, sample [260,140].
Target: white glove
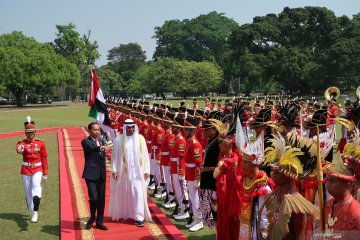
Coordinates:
[20,149]
[197,183]
[45,177]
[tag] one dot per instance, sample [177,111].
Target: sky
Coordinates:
[115,22]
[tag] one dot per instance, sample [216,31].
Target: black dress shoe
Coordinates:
[139,223]
[89,224]
[101,227]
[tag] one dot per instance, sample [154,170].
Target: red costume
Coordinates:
[228,210]
[34,157]
[343,217]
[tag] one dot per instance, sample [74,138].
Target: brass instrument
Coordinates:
[332,93]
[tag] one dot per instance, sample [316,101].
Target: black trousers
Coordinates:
[96,191]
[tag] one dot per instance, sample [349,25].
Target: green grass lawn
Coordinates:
[204,234]
[14,216]
[44,116]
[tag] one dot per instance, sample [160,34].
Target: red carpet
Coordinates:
[67,227]
[123,230]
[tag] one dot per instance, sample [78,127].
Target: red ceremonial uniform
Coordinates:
[34,157]
[245,119]
[178,152]
[149,137]
[144,128]
[193,159]
[332,113]
[158,135]
[166,147]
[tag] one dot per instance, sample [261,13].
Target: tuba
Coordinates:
[358,92]
[332,93]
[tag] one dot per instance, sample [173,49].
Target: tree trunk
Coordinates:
[19,97]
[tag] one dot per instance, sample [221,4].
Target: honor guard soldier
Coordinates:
[193,160]
[34,167]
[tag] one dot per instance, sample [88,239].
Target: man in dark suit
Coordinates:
[95,174]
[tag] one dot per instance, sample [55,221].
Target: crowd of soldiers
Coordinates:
[252,171]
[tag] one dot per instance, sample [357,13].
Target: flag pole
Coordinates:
[320,181]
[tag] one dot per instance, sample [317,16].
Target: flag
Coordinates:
[98,109]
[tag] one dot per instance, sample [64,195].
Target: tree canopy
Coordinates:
[126,59]
[171,75]
[79,50]
[29,66]
[305,49]
[200,39]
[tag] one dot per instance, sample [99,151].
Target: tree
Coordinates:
[172,75]
[111,82]
[126,59]
[27,66]
[287,50]
[79,50]
[198,39]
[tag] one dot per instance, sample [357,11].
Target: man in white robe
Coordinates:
[130,168]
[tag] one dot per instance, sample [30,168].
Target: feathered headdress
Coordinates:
[284,158]
[340,170]
[289,113]
[220,126]
[309,148]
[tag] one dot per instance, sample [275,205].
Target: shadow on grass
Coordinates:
[20,219]
[51,229]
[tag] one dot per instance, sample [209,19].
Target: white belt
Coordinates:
[149,142]
[190,165]
[154,147]
[174,159]
[28,164]
[165,153]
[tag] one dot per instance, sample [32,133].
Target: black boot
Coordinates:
[166,199]
[152,180]
[176,210]
[190,220]
[93,207]
[155,190]
[36,201]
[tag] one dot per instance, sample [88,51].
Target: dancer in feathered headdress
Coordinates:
[227,182]
[286,208]
[255,186]
[352,155]
[342,212]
